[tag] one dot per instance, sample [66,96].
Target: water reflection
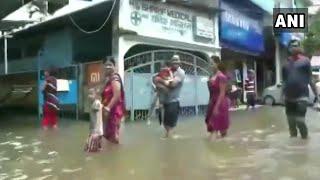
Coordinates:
[258,148]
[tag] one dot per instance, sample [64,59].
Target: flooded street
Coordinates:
[258,147]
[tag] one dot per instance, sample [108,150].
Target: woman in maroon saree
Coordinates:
[113,102]
[217,118]
[51,101]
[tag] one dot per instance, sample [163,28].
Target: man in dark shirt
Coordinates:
[297,75]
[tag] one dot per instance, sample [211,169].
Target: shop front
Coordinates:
[151,32]
[242,41]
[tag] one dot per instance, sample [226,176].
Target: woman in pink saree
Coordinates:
[113,102]
[217,118]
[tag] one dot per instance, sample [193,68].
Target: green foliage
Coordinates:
[312,42]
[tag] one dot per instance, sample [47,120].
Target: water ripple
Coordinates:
[47,170]
[4,143]
[71,170]
[4,176]
[43,177]
[4,159]
[53,153]
[36,143]
[44,161]
[22,177]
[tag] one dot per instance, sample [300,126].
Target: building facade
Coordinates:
[139,34]
[242,40]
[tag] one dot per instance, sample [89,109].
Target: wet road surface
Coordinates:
[258,147]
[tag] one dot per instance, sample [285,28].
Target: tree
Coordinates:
[312,42]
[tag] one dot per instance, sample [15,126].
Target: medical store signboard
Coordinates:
[163,21]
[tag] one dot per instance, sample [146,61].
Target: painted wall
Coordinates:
[6,84]
[91,47]
[57,49]
[57,52]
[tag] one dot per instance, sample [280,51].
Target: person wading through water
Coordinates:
[171,100]
[297,75]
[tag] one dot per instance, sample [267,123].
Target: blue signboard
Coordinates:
[286,37]
[240,32]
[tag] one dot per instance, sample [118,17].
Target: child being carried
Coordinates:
[160,83]
[163,78]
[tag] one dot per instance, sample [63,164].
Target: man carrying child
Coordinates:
[160,90]
[169,88]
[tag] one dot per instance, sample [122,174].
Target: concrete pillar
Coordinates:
[5,53]
[244,77]
[278,61]
[116,45]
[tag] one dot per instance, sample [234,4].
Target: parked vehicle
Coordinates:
[273,95]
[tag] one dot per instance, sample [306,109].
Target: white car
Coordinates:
[273,95]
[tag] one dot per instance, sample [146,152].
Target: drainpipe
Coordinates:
[277,53]
[5,38]
[5,54]
[278,61]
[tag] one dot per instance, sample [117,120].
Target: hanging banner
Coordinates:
[159,20]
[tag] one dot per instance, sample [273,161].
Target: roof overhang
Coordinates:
[196,4]
[26,14]
[8,6]
[82,16]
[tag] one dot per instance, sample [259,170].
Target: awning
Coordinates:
[8,6]
[82,15]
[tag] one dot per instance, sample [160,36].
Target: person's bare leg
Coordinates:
[45,128]
[152,109]
[168,132]
[55,126]
[214,136]
[211,136]
[223,134]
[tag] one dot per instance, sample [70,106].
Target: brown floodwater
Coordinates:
[258,147]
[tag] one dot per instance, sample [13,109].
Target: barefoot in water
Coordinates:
[213,136]
[210,137]
[148,122]
[45,128]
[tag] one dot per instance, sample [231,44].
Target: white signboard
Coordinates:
[315,61]
[204,27]
[62,85]
[160,20]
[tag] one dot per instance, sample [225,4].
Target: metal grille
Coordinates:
[139,93]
